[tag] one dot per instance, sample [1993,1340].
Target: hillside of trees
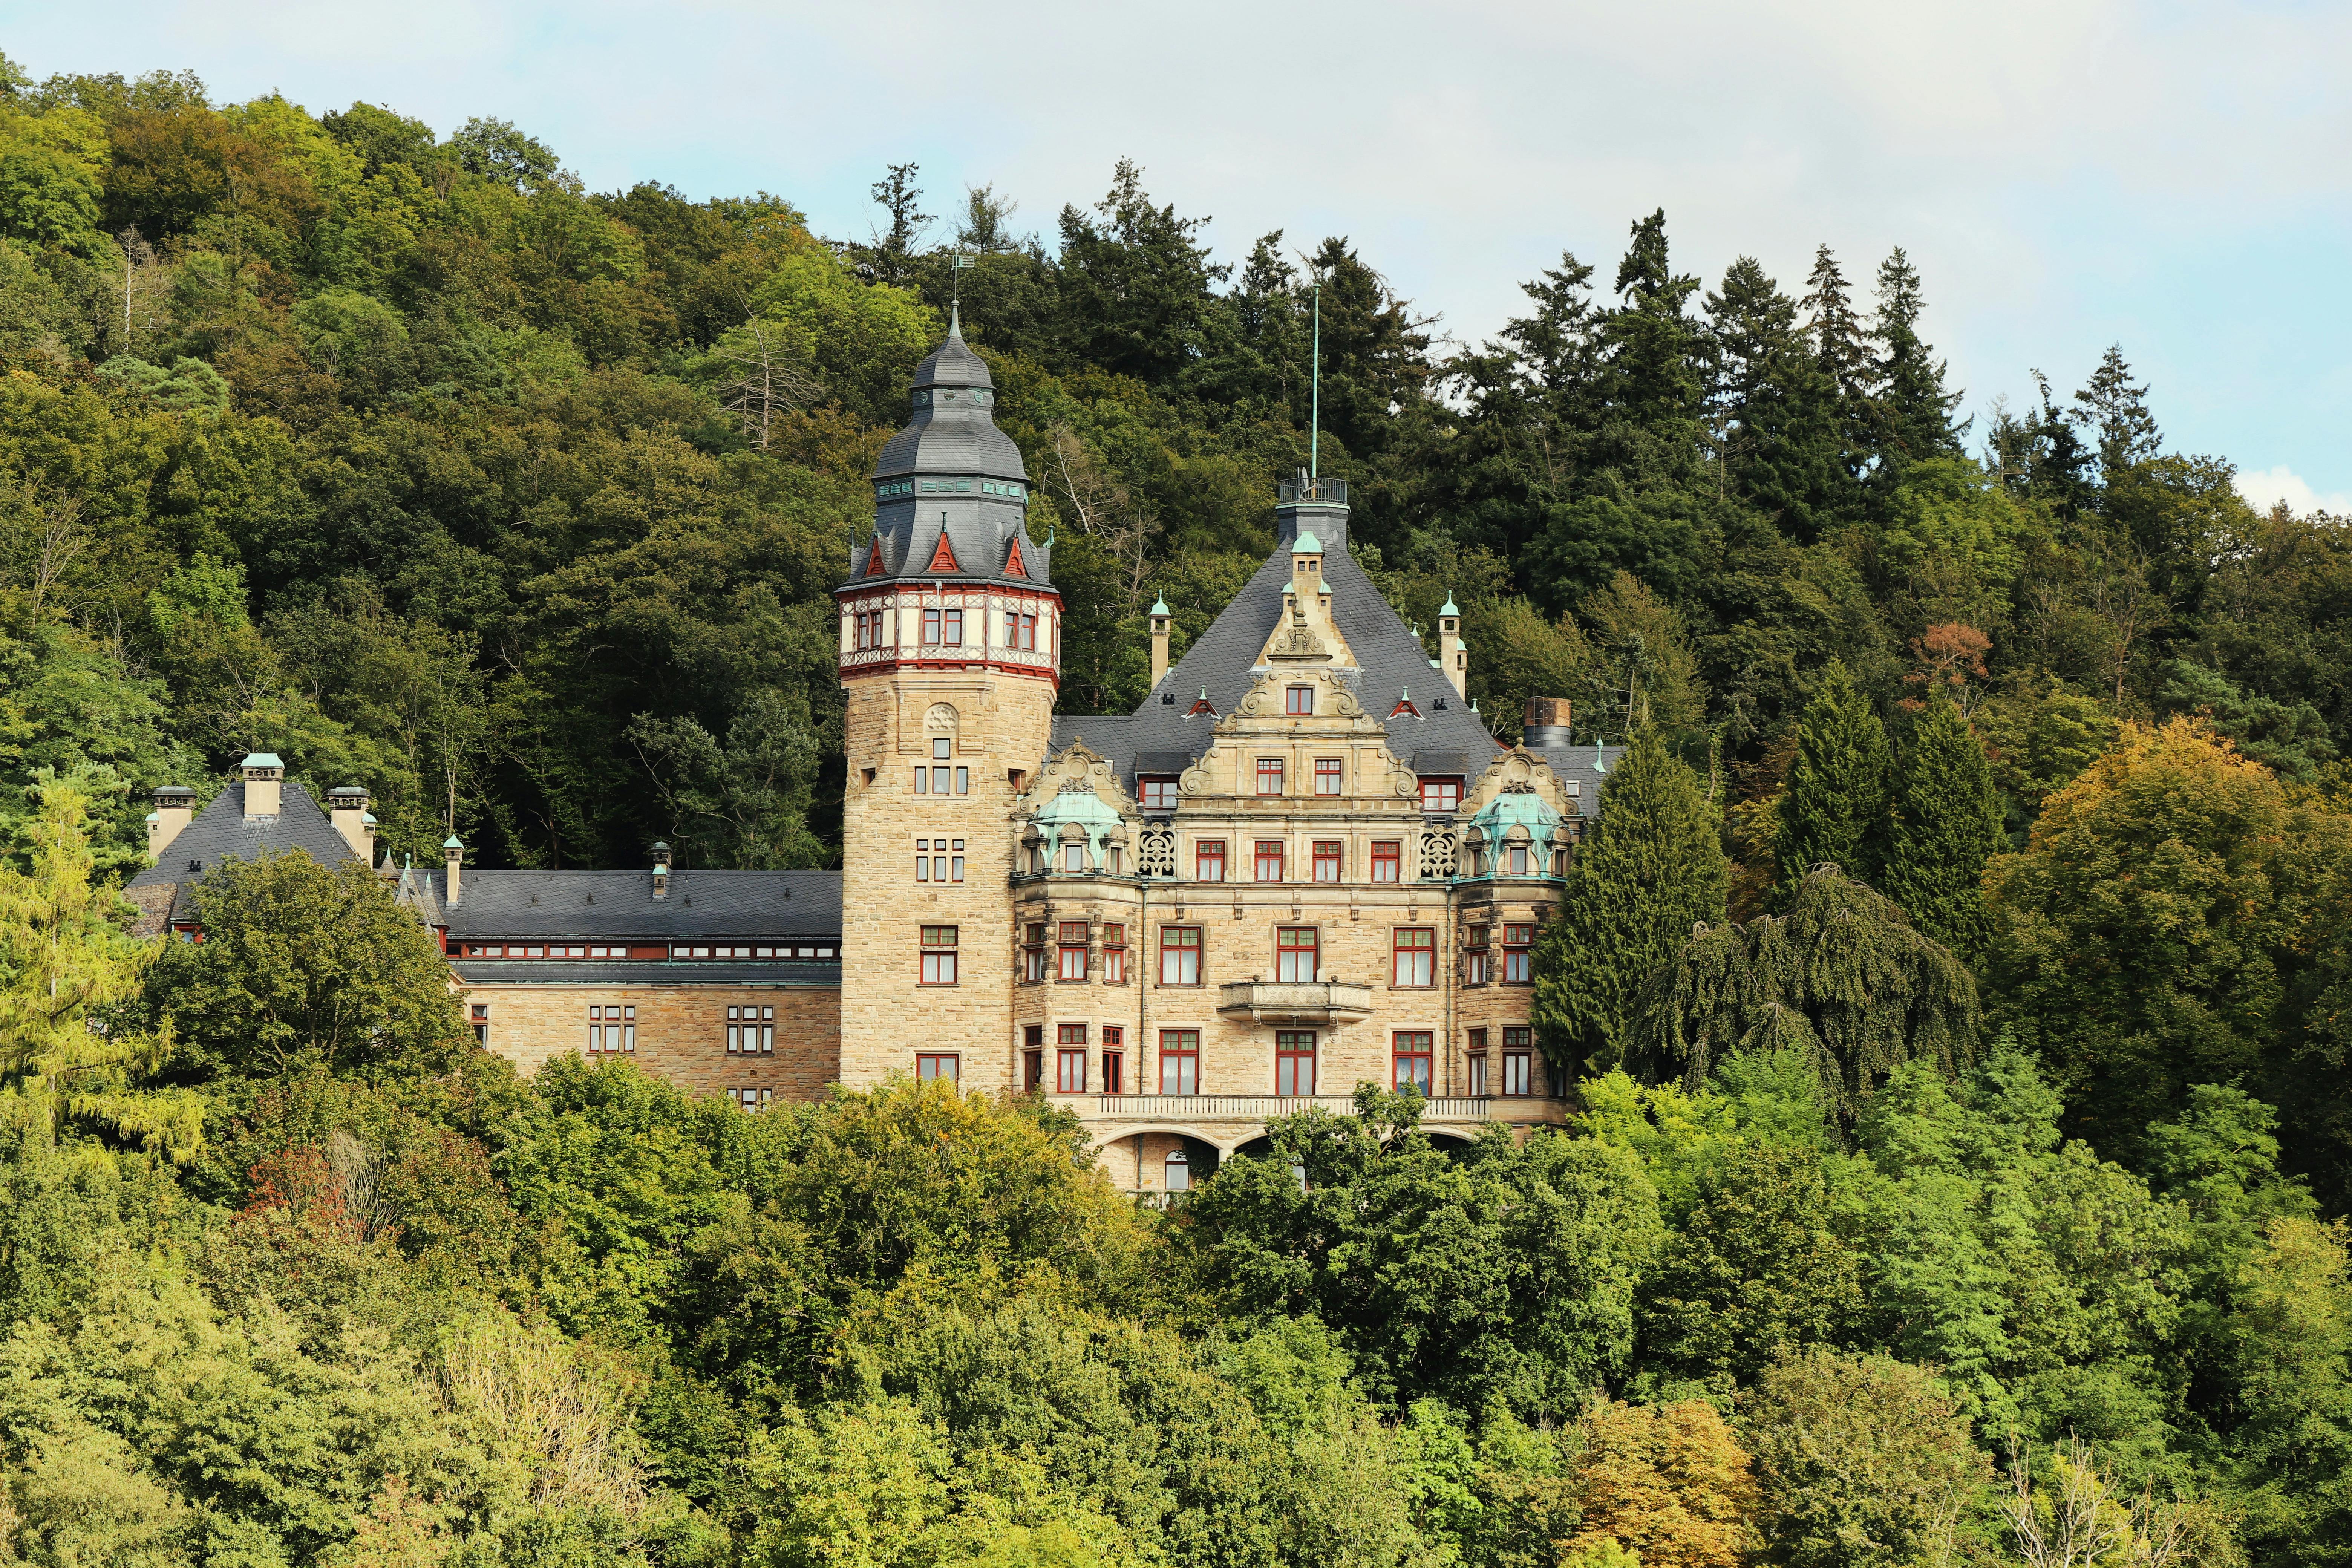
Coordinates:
[1955,984]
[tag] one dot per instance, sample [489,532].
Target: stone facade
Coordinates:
[678,1032]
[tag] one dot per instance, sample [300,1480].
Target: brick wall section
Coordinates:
[1002,727]
[681,1032]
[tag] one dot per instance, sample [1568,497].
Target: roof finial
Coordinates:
[955,319]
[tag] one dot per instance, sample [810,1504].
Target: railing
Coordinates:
[1322,488]
[1264,1106]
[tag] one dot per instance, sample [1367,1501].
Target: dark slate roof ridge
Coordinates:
[700,903]
[220,832]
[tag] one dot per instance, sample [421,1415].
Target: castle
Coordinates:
[1301,865]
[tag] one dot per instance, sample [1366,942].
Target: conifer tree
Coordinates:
[1915,412]
[1834,805]
[1944,824]
[1651,869]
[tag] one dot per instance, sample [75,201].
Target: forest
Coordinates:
[1954,983]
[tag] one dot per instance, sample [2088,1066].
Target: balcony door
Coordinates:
[1294,1062]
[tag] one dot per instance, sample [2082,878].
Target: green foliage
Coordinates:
[1946,827]
[1648,872]
[1834,806]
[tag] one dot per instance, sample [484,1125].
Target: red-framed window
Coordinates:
[1518,1062]
[1477,957]
[1518,954]
[611,1028]
[751,1031]
[1294,1062]
[1270,859]
[1070,1059]
[1414,1053]
[1033,1071]
[1327,775]
[1033,952]
[1330,856]
[938,955]
[1415,958]
[1297,952]
[1209,860]
[1388,860]
[1073,945]
[869,629]
[1269,775]
[1180,955]
[480,1019]
[1114,1059]
[1441,795]
[1029,634]
[1298,700]
[1476,1057]
[1114,954]
[1179,1061]
[943,628]
[1159,794]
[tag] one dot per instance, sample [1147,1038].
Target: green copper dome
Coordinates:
[1307,545]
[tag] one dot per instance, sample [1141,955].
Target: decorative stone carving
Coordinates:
[1158,851]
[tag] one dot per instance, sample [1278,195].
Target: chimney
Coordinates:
[347,808]
[264,777]
[1548,721]
[661,870]
[1450,653]
[175,807]
[454,854]
[1159,639]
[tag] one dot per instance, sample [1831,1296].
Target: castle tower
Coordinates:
[950,638]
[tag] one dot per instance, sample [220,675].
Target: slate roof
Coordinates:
[700,904]
[221,832]
[819,973]
[1166,737]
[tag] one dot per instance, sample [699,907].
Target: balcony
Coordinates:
[1294,1001]
[1203,1108]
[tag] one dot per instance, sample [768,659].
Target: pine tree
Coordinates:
[1914,411]
[1834,806]
[2118,411]
[1945,823]
[1775,411]
[1650,868]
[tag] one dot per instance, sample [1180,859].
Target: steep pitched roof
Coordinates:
[622,904]
[223,832]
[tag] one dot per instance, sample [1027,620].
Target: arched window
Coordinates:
[1180,1172]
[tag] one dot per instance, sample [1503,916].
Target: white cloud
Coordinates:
[2272,486]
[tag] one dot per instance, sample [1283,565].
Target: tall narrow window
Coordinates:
[1180,955]
[1414,1054]
[1070,1059]
[1114,954]
[936,1064]
[951,631]
[1477,958]
[1330,854]
[1296,949]
[1327,775]
[931,628]
[1294,1062]
[1029,634]
[481,1021]
[1177,1172]
[1298,700]
[1269,775]
[1477,1060]
[1209,860]
[1388,859]
[938,955]
[1033,952]
[1515,860]
[1518,954]
[1518,1062]
[1114,1059]
[1415,966]
[1073,944]
[1270,859]
[1179,1061]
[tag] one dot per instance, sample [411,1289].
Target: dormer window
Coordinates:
[1298,700]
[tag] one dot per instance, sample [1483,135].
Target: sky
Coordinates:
[2065,173]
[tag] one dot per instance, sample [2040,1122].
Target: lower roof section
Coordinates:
[801,974]
[700,905]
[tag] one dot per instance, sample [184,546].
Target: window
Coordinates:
[1033,1071]
[751,1031]
[1441,795]
[1269,775]
[1209,860]
[1180,955]
[1518,1062]
[1298,700]
[952,632]
[752,1099]
[1413,1055]
[1388,859]
[1329,855]
[938,860]
[481,1021]
[611,1028]
[938,955]
[1518,954]
[1294,1062]
[1074,857]
[1070,1059]
[1029,634]
[1159,794]
[1074,950]
[1515,860]
[1114,940]
[1033,952]
[1270,859]
[1178,1178]
[1114,1059]
[1327,775]
[1415,966]
[1477,958]
[931,628]
[1179,1061]
[1478,1056]
[1295,950]
[936,1064]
